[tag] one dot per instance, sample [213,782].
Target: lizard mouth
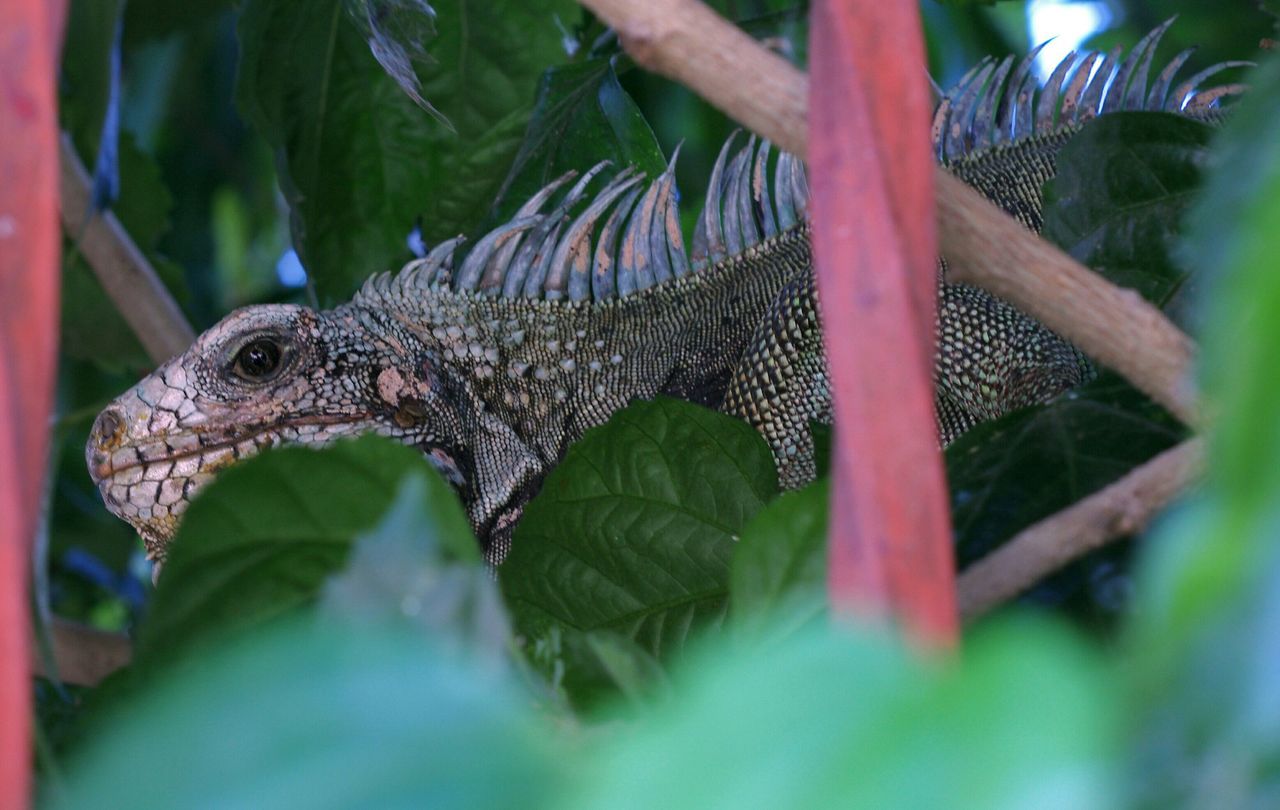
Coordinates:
[202,448]
[150,483]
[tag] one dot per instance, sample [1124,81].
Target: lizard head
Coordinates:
[263,376]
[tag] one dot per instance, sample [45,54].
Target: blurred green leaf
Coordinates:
[422,564]
[1205,639]
[1122,189]
[633,531]
[267,533]
[595,668]
[830,718]
[782,555]
[582,116]
[91,327]
[359,161]
[322,714]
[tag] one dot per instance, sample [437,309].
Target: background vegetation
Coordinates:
[265,155]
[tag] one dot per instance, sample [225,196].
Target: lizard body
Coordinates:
[581,303]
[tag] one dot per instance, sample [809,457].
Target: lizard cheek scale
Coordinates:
[493,359]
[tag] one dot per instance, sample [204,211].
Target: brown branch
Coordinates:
[685,40]
[128,278]
[1114,326]
[83,655]
[1124,508]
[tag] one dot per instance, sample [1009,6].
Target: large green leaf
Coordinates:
[829,718]
[322,714]
[360,162]
[782,556]
[264,537]
[633,531]
[1122,190]
[582,116]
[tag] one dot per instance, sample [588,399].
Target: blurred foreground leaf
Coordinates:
[1206,637]
[422,564]
[264,537]
[829,718]
[322,714]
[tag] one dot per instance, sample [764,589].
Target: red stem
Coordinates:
[29,274]
[874,245]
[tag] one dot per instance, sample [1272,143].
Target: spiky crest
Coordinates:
[550,250]
[988,107]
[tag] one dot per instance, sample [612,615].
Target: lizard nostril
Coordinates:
[107,429]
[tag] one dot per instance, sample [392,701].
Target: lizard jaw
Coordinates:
[149,482]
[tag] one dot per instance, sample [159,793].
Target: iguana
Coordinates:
[493,365]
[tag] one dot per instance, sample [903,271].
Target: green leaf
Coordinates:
[1123,186]
[1007,474]
[1235,233]
[264,537]
[582,116]
[587,670]
[830,718]
[359,161]
[421,564]
[782,556]
[321,714]
[1205,642]
[633,531]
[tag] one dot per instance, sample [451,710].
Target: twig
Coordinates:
[84,655]
[1121,509]
[685,40]
[125,274]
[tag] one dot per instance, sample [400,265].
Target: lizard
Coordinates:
[492,363]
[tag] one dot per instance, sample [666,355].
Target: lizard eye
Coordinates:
[258,360]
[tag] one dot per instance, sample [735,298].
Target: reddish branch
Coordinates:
[29,273]
[875,258]
[128,278]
